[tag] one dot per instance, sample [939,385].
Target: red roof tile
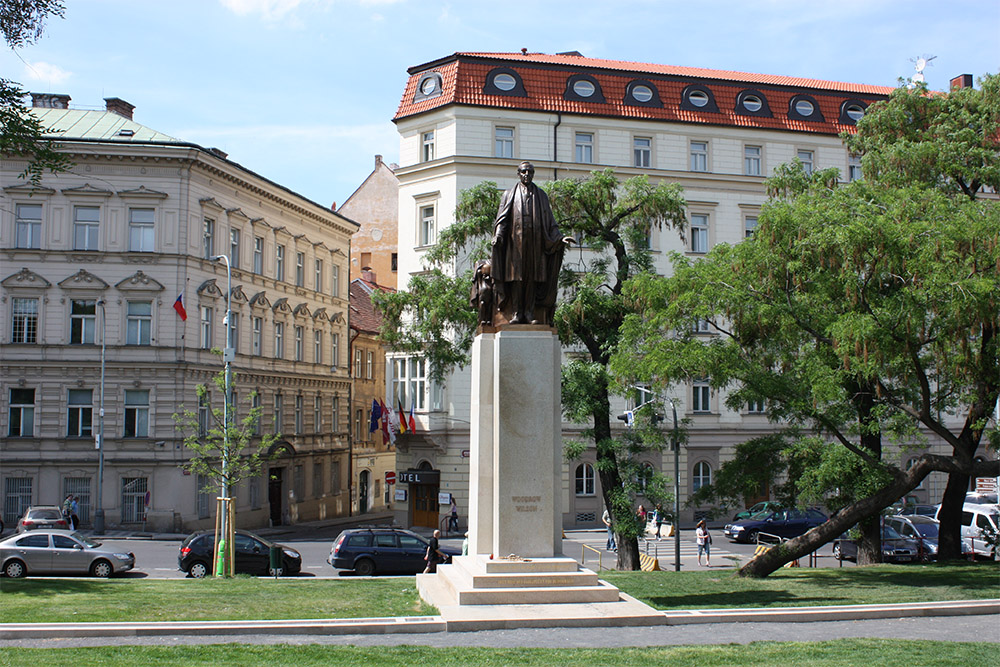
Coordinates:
[544,77]
[364,316]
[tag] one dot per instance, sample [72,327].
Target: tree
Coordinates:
[23,22]
[225,453]
[859,311]
[612,219]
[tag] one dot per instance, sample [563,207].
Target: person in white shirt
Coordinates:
[704,540]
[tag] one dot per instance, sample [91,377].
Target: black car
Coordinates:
[381,550]
[252,555]
[895,547]
[781,524]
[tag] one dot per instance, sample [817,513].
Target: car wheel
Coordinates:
[15,569]
[837,553]
[198,570]
[365,567]
[102,569]
[751,536]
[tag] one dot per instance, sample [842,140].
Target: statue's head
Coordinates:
[526,172]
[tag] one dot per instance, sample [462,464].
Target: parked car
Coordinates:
[978,498]
[252,555]
[923,529]
[42,516]
[368,551]
[895,547]
[763,506]
[782,523]
[52,551]
[978,523]
[918,510]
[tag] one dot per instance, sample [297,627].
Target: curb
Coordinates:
[429,624]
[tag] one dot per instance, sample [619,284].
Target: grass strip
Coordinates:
[806,587]
[887,653]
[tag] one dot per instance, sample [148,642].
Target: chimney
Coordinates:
[119,106]
[368,275]
[378,161]
[961,81]
[218,152]
[49,101]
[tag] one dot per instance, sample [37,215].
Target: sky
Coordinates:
[303,91]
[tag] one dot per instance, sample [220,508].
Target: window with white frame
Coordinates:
[427,149]
[428,227]
[136,413]
[409,381]
[359,416]
[369,365]
[234,332]
[279,409]
[318,414]
[21,413]
[298,413]
[701,397]
[300,269]
[206,327]
[257,336]
[699,156]
[854,168]
[279,262]
[749,226]
[358,360]
[24,320]
[138,322]
[255,407]
[28,226]
[642,151]
[208,238]
[503,141]
[756,406]
[279,340]
[584,147]
[334,349]
[317,346]
[806,158]
[702,475]
[299,334]
[335,280]
[585,480]
[141,229]
[701,326]
[134,499]
[80,413]
[86,221]
[258,255]
[751,160]
[699,232]
[234,248]
[204,414]
[335,415]
[318,276]
[82,321]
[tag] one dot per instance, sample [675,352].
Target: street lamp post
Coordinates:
[676,444]
[99,512]
[228,355]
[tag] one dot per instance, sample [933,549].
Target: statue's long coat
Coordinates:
[526,251]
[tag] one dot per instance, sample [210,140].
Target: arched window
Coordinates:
[645,476]
[585,480]
[702,475]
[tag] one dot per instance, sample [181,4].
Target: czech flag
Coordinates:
[179,307]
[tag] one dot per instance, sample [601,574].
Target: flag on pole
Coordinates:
[402,417]
[179,307]
[413,424]
[376,414]
[388,432]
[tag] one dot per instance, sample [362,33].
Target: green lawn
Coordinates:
[804,587]
[242,598]
[886,652]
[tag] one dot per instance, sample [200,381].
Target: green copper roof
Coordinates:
[96,125]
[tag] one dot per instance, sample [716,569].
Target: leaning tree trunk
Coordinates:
[870,544]
[775,557]
[950,516]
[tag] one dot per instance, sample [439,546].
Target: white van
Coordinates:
[976,521]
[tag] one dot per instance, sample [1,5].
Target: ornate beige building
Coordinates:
[94,260]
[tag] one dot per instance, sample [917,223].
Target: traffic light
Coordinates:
[628,418]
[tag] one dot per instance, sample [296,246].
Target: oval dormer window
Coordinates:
[698,98]
[642,93]
[854,112]
[428,85]
[752,103]
[805,107]
[583,88]
[504,81]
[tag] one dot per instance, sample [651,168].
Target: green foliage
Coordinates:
[236,443]
[22,22]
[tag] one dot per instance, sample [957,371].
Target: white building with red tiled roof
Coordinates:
[471,117]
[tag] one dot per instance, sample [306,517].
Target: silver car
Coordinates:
[48,551]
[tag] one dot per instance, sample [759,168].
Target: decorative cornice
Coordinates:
[139,281]
[25,278]
[259,300]
[28,189]
[86,190]
[209,288]
[83,279]
[301,310]
[142,192]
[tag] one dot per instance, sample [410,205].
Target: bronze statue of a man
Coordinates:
[527,253]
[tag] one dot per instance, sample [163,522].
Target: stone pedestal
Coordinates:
[516,444]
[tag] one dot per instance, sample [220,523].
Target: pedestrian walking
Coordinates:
[658,519]
[434,554]
[611,546]
[704,539]
[74,512]
[453,519]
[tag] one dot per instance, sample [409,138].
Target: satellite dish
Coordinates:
[918,77]
[921,64]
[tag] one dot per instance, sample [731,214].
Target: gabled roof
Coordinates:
[545,77]
[364,316]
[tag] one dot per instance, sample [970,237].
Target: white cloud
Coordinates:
[46,73]
[268,9]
